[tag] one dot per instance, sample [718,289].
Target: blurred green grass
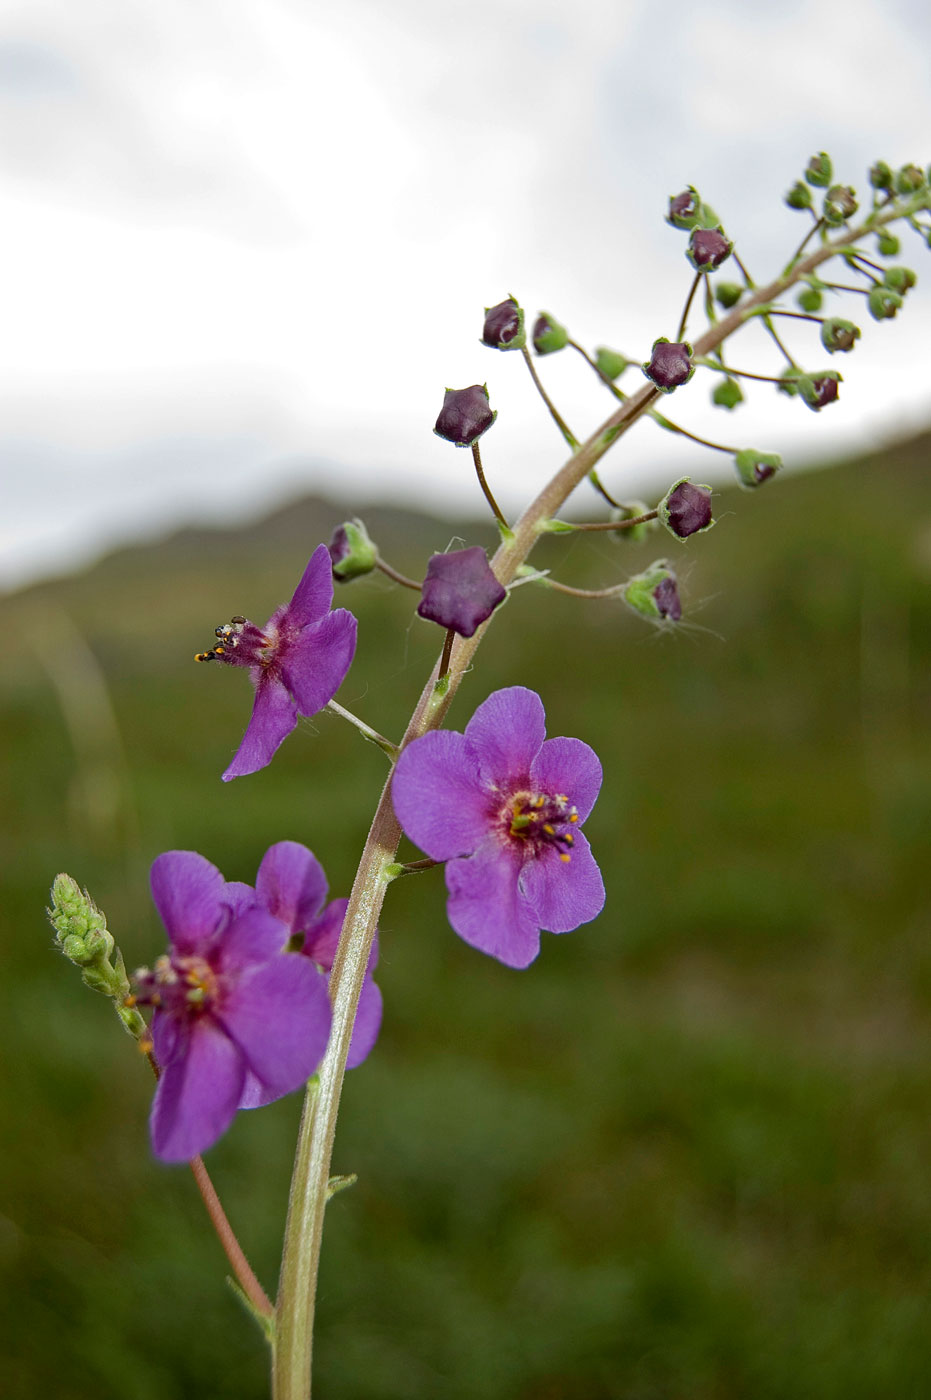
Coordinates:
[685,1155]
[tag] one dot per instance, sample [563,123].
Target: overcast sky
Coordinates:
[248,242]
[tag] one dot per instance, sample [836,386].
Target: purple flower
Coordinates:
[230,1006]
[502,805]
[297,662]
[291,885]
[670,364]
[465,415]
[460,590]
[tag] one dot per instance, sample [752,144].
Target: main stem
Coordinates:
[304,1229]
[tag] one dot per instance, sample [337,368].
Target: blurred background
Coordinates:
[685,1154]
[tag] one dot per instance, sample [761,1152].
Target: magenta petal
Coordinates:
[564,894]
[438,797]
[506,733]
[273,717]
[568,767]
[291,884]
[322,935]
[316,662]
[197,1095]
[253,936]
[187,891]
[239,896]
[169,1038]
[486,908]
[367,1025]
[314,594]
[279,1016]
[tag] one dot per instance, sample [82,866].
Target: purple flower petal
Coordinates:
[437,795]
[197,1095]
[239,896]
[486,908]
[505,735]
[170,1038]
[322,935]
[569,767]
[316,662]
[253,937]
[564,894]
[291,884]
[367,1025]
[187,891]
[273,717]
[314,594]
[279,1016]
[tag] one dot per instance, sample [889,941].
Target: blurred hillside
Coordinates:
[684,1156]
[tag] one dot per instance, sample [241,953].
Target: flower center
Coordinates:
[241,643]
[541,821]
[181,986]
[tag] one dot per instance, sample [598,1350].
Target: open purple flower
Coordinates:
[291,885]
[297,662]
[231,1006]
[502,805]
[460,590]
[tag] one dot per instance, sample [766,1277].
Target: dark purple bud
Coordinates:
[818,390]
[504,326]
[686,509]
[465,415]
[684,209]
[654,593]
[460,590]
[548,335]
[666,598]
[670,364]
[708,248]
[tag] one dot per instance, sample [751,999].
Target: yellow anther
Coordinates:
[550,830]
[574,817]
[565,857]
[569,838]
[540,802]
[145,1045]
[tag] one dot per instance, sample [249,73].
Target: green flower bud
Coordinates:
[838,334]
[727,394]
[82,935]
[753,468]
[883,302]
[909,179]
[548,335]
[728,294]
[632,510]
[881,176]
[352,553]
[888,244]
[809,299]
[799,196]
[899,279]
[818,390]
[611,362]
[654,593]
[839,205]
[819,170]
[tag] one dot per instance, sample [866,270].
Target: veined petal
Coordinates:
[367,1025]
[279,1016]
[291,884]
[564,894]
[273,717]
[568,767]
[188,890]
[197,1096]
[314,594]
[253,937]
[505,735]
[438,796]
[169,1038]
[322,935]
[486,908]
[239,896]
[315,664]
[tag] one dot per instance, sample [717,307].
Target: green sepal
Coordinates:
[754,468]
[908,179]
[887,243]
[554,338]
[556,527]
[728,294]
[881,177]
[809,299]
[819,170]
[900,279]
[838,335]
[638,591]
[728,394]
[799,196]
[362,554]
[611,363]
[883,302]
[630,510]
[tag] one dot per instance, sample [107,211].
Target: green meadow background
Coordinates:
[685,1156]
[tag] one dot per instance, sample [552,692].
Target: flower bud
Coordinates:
[799,196]
[670,365]
[887,243]
[753,468]
[728,294]
[352,553]
[548,335]
[611,363]
[727,394]
[465,415]
[881,176]
[839,205]
[504,326]
[818,390]
[838,334]
[899,279]
[909,179]
[883,302]
[654,593]
[82,935]
[708,248]
[684,209]
[809,299]
[819,170]
[460,590]
[686,509]
[632,510]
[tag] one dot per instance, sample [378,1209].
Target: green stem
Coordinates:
[683,319]
[310,1183]
[557,418]
[366,730]
[480,473]
[397,576]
